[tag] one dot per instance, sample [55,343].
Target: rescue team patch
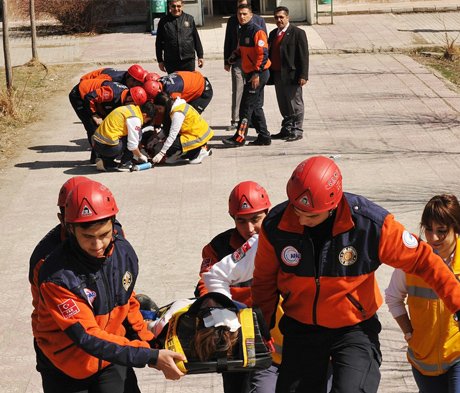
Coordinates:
[290,256]
[86,211]
[348,256]
[261,43]
[127,280]
[409,240]
[91,295]
[239,254]
[68,309]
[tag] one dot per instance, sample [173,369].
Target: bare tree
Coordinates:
[33,30]
[6,49]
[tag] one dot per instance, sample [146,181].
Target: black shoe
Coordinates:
[261,141]
[280,135]
[293,138]
[232,142]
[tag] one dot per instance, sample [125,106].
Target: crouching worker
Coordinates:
[116,140]
[187,133]
[214,334]
[87,304]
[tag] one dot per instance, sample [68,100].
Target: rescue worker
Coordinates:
[87,303]
[248,204]
[320,250]
[119,135]
[134,76]
[253,50]
[93,99]
[187,132]
[178,40]
[49,242]
[191,86]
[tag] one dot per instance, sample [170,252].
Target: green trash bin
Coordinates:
[157,9]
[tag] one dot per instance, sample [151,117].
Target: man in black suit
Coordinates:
[288,52]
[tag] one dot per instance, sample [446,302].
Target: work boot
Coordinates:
[234,142]
[261,141]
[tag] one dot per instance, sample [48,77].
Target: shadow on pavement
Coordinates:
[33,165]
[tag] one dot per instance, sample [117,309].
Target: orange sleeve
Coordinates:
[264,285]
[68,310]
[136,320]
[401,249]
[261,45]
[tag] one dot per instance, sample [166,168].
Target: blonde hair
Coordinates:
[207,341]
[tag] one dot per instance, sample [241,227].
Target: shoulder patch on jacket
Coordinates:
[68,309]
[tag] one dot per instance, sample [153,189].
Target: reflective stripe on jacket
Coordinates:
[435,352]
[114,125]
[195,132]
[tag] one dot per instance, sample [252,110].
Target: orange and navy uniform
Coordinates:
[341,289]
[109,74]
[45,247]
[102,96]
[253,48]
[188,85]
[86,306]
[49,242]
[222,245]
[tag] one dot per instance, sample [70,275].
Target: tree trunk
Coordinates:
[6,49]
[33,30]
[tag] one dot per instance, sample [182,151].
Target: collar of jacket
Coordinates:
[343,220]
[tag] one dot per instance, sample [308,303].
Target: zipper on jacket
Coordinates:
[315,301]
[357,305]
[107,294]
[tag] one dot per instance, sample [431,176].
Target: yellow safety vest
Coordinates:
[114,125]
[195,132]
[435,343]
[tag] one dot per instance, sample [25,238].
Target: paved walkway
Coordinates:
[393,125]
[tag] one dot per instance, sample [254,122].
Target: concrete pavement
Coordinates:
[392,124]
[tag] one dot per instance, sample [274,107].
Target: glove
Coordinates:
[157,159]
[141,158]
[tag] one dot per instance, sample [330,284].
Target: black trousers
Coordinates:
[109,153]
[82,113]
[112,379]
[251,106]
[184,65]
[203,101]
[354,352]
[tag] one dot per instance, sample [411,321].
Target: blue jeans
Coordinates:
[444,383]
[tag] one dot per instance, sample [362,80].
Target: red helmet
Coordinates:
[68,186]
[152,76]
[248,197]
[152,88]
[89,201]
[137,72]
[138,95]
[315,185]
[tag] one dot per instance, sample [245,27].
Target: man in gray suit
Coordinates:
[288,52]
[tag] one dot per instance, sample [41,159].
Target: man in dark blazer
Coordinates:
[288,52]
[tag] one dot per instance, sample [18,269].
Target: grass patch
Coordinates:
[33,84]
[434,58]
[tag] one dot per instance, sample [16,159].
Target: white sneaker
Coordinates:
[100,165]
[204,152]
